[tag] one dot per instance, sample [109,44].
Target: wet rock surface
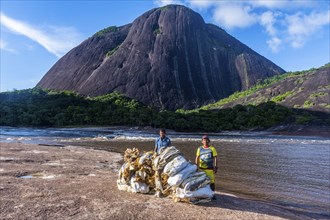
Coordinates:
[70,182]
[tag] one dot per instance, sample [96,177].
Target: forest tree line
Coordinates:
[47,108]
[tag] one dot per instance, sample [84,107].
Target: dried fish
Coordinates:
[168,174]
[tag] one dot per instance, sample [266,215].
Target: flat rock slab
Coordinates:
[45,182]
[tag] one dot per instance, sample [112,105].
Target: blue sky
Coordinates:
[294,34]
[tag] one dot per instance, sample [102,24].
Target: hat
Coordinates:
[206,137]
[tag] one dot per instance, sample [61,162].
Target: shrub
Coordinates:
[106,30]
[109,53]
[157,31]
[281,97]
[308,104]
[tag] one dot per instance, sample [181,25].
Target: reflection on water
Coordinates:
[284,170]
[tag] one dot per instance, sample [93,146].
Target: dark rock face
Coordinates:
[168,58]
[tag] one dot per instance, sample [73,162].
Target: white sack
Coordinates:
[165,157]
[121,184]
[141,174]
[175,166]
[145,157]
[138,187]
[182,175]
[197,183]
[193,176]
[158,182]
[121,172]
[204,192]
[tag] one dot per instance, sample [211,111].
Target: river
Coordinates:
[288,171]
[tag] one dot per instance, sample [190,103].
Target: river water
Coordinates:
[288,171]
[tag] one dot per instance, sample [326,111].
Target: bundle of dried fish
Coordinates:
[136,174]
[131,154]
[168,174]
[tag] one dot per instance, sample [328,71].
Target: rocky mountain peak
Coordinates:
[167,57]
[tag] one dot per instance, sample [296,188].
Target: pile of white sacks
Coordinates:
[166,174]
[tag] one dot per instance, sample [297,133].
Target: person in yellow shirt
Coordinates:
[206,160]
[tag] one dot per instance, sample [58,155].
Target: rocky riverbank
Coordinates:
[72,182]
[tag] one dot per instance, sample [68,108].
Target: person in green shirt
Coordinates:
[206,160]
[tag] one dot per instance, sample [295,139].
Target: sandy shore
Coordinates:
[72,182]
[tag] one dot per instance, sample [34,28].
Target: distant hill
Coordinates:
[167,58]
[307,90]
[47,108]
[287,102]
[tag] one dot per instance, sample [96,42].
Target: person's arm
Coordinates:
[197,159]
[169,142]
[215,164]
[197,162]
[155,150]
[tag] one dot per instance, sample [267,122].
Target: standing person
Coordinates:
[162,142]
[206,160]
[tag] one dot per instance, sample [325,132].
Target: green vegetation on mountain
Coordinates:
[38,107]
[307,89]
[106,30]
[109,53]
[281,97]
[157,31]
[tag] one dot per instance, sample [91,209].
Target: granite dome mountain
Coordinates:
[168,58]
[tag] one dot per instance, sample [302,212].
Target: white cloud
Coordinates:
[294,29]
[279,19]
[286,5]
[167,2]
[4,46]
[29,47]
[201,4]
[274,44]
[301,26]
[267,19]
[270,3]
[57,40]
[234,15]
